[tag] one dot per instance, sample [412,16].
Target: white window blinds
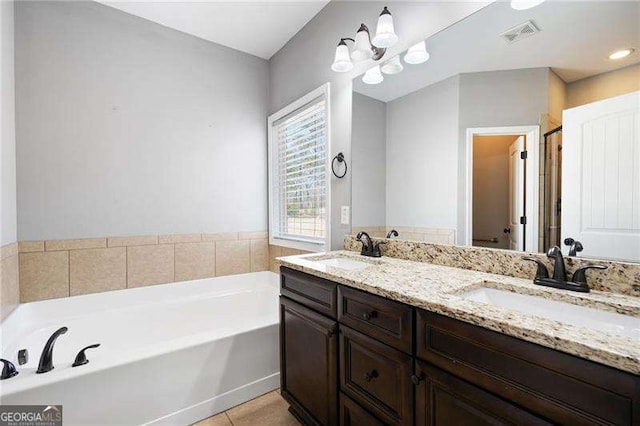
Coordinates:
[298,174]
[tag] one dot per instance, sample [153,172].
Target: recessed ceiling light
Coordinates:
[525,4]
[623,53]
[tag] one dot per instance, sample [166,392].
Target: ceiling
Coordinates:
[259,28]
[575,40]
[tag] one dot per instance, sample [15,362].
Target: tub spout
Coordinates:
[46,359]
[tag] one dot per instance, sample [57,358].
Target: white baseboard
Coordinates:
[219,403]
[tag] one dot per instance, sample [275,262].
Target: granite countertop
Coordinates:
[439,288]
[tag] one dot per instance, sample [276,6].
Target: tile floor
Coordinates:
[266,410]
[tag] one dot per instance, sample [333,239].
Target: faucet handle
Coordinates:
[580,277]
[81,358]
[542,271]
[392,233]
[8,369]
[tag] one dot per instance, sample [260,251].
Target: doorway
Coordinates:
[552,188]
[503,187]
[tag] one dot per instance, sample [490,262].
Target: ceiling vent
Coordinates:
[519,32]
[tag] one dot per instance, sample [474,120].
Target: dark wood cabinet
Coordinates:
[561,387]
[393,364]
[385,320]
[352,414]
[443,399]
[309,363]
[377,376]
[314,292]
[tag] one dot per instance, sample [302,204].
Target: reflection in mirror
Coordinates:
[517,133]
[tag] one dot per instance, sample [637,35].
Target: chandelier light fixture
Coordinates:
[385,34]
[366,48]
[392,66]
[373,76]
[417,54]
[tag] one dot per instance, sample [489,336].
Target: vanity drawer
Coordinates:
[377,376]
[563,388]
[316,293]
[389,321]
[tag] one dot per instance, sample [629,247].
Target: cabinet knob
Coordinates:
[371,375]
[368,315]
[416,379]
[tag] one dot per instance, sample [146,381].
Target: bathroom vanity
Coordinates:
[395,342]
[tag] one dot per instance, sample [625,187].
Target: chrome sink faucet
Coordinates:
[559,280]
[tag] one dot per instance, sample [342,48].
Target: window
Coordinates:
[298,173]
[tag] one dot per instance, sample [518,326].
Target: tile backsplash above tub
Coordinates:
[63,268]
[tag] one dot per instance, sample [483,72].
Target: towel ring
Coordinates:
[340,158]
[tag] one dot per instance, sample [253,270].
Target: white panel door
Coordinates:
[516,194]
[601,177]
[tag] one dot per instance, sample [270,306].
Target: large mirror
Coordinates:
[521,131]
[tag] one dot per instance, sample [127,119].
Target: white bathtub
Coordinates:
[169,354]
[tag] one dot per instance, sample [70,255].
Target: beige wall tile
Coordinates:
[259,255]
[274,251]
[143,240]
[233,257]
[221,236]
[44,275]
[195,260]
[148,265]
[8,250]
[97,270]
[30,246]
[261,235]
[179,238]
[86,243]
[9,289]
[286,251]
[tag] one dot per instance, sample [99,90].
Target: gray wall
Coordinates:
[603,86]
[368,165]
[8,233]
[126,127]
[422,157]
[495,99]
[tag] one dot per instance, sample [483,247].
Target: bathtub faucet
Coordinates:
[46,359]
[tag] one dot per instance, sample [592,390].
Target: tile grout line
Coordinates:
[126,266]
[69,270]
[226,413]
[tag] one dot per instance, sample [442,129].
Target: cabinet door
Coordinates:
[309,363]
[352,414]
[443,399]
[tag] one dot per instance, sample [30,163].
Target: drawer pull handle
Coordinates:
[370,376]
[368,315]
[416,379]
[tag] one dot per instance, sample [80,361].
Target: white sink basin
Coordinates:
[342,263]
[567,313]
